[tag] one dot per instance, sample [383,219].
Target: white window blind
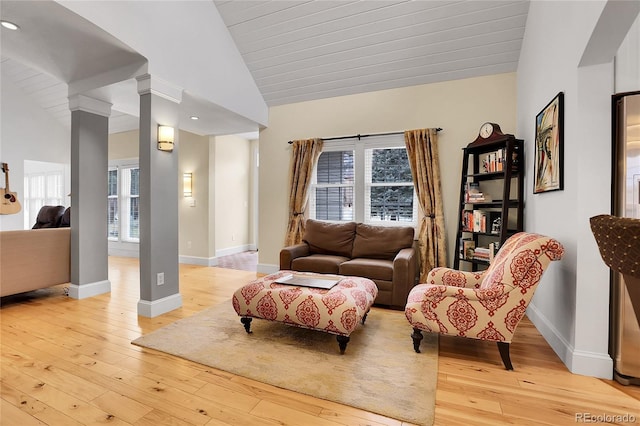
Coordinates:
[41,189]
[334,188]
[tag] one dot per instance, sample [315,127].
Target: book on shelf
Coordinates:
[467,246]
[481,253]
[467,220]
[485,254]
[472,193]
[482,221]
[494,161]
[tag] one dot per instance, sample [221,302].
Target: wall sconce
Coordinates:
[165,138]
[187,184]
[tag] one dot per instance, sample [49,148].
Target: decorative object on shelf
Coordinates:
[165,138]
[491,196]
[496,225]
[488,132]
[548,173]
[9,203]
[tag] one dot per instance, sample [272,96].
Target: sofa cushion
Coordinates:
[379,242]
[320,263]
[329,238]
[375,269]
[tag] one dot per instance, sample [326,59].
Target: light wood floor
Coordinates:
[70,362]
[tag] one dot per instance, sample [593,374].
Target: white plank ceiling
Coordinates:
[301,50]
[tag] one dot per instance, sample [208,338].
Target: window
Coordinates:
[389,186]
[112,204]
[42,189]
[334,186]
[364,181]
[123,203]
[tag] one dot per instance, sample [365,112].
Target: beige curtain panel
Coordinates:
[304,157]
[422,149]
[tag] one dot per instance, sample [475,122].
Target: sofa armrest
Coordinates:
[404,276]
[455,278]
[33,259]
[435,293]
[287,254]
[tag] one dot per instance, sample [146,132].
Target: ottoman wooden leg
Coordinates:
[342,342]
[246,321]
[417,338]
[364,318]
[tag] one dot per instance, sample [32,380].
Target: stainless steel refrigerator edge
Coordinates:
[625,327]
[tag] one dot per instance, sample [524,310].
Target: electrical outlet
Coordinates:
[160,280]
[188,244]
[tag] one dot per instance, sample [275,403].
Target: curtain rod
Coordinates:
[365,136]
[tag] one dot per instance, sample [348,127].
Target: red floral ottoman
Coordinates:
[337,310]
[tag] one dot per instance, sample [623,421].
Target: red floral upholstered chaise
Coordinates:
[485,305]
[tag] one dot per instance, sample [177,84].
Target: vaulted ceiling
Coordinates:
[302,50]
[299,50]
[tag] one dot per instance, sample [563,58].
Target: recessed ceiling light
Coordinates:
[9,25]
[194,117]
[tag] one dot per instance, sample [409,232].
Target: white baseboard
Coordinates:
[158,307]
[190,260]
[123,252]
[201,261]
[578,362]
[592,364]
[234,250]
[267,269]
[89,290]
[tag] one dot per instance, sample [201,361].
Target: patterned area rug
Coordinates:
[379,371]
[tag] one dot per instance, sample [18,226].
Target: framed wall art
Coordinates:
[548,173]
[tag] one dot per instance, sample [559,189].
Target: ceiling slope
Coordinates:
[303,50]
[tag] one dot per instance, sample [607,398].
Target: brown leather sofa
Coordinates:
[49,217]
[383,254]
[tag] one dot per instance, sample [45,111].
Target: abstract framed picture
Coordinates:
[548,173]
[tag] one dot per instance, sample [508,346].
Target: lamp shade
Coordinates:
[187,184]
[165,138]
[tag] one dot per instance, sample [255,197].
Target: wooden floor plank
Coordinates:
[70,362]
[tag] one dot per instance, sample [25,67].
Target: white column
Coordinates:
[159,277]
[89,164]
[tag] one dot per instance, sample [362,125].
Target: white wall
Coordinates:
[216,220]
[195,227]
[124,145]
[571,305]
[459,107]
[628,61]
[233,194]
[28,133]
